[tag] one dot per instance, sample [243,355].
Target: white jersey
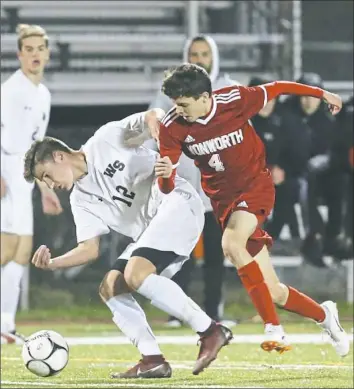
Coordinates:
[25,110]
[120,191]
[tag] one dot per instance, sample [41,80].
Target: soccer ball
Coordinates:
[45,353]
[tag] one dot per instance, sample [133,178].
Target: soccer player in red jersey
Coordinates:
[214,129]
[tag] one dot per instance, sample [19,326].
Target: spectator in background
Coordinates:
[342,162]
[25,111]
[203,51]
[324,185]
[287,155]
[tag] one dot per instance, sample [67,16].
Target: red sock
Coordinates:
[303,305]
[253,280]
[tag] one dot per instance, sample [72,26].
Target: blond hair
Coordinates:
[27,30]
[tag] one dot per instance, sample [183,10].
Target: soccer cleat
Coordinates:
[151,366]
[331,326]
[275,339]
[214,338]
[12,337]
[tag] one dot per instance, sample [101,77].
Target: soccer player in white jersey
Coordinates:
[25,108]
[114,187]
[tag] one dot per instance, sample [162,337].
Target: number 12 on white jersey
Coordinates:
[215,163]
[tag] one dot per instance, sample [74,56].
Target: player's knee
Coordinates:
[279,293]
[113,284]
[233,247]
[137,270]
[23,257]
[5,258]
[24,250]
[8,249]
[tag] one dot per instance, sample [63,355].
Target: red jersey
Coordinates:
[223,144]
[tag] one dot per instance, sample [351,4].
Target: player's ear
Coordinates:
[58,156]
[205,96]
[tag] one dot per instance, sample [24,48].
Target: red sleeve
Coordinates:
[171,147]
[274,89]
[256,97]
[253,99]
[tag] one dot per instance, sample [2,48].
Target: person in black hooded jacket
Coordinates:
[324,184]
[342,163]
[287,155]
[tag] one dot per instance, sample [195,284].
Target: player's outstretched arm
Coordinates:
[148,127]
[277,88]
[85,252]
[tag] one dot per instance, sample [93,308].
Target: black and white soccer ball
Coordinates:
[45,353]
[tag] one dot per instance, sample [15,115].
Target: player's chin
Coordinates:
[68,186]
[36,68]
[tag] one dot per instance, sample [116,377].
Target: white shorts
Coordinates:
[16,205]
[176,227]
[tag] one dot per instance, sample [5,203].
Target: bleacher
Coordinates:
[115,52]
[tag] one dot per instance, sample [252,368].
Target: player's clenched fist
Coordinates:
[41,257]
[163,167]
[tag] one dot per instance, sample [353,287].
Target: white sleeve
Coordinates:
[11,118]
[135,122]
[88,225]
[116,133]
[44,125]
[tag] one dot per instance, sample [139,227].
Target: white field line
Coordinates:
[116,385]
[99,362]
[181,339]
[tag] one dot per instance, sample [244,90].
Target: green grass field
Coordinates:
[239,365]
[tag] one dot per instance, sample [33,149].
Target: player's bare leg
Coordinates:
[131,320]
[15,254]
[240,227]
[9,244]
[325,315]
[140,275]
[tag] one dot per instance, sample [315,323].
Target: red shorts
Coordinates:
[259,200]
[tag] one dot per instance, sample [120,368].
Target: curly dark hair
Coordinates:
[40,151]
[187,80]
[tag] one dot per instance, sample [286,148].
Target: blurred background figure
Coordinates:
[25,110]
[325,181]
[343,164]
[287,151]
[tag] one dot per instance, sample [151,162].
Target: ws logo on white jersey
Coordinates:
[113,167]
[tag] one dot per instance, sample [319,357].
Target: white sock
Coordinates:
[131,320]
[11,276]
[166,295]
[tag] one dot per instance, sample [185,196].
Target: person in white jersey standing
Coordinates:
[25,109]
[114,187]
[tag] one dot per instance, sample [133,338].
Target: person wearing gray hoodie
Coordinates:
[203,51]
